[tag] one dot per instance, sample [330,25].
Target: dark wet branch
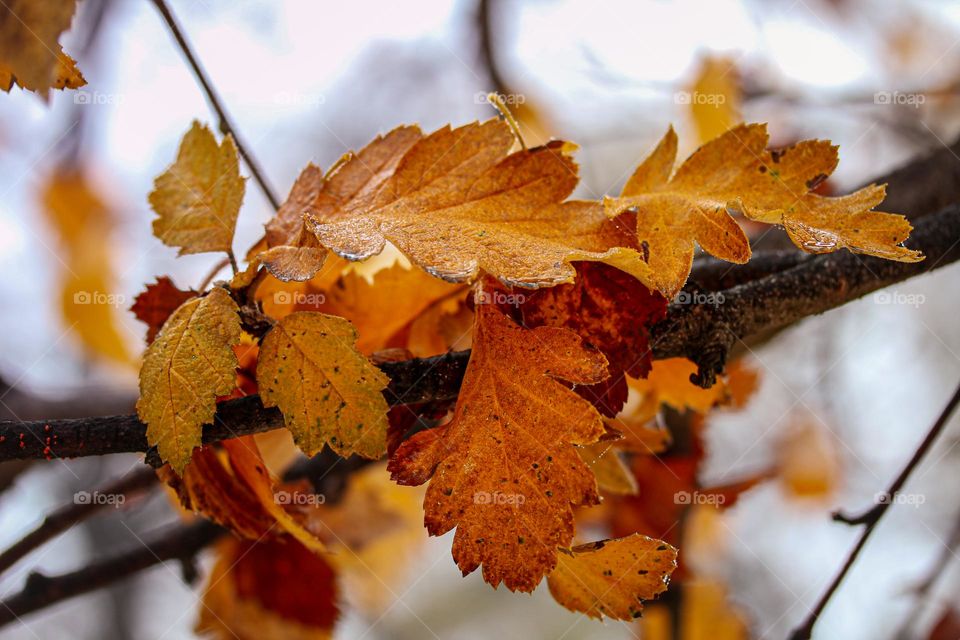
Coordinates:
[178,542]
[413,381]
[704,331]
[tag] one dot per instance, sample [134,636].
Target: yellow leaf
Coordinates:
[736,172]
[708,615]
[30,54]
[457,203]
[714,97]
[198,197]
[809,465]
[328,392]
[88,307]
[611,473]
[612,577]
[503,470]
[669,383]
[88,301]
[184,370]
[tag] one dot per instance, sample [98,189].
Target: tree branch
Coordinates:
[182,542]
[67,516]
[225,125]
[704,332]
[415,381]
[178,542]
[804,630]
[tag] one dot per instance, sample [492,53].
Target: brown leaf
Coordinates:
[155,304]
[272,589]
[611,311]
[30,54]
[457,203]
[503,470]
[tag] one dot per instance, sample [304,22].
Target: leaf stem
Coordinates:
[873,516]
[212,274]
[225,124]
[233,261]
[497,101]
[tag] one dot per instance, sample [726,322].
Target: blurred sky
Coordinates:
[307,81]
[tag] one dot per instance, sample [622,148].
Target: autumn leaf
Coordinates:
[613,476]
[709,615]
[503,470]
[273,589]
[669,383]
[184,370]
[736,172]
[380,309]
[714,97]
[249,468]
[82,220]
[363,531]
[706,613]
[446,326]
[284,228]
[807,459]
[235,489]
[612,577]
[30,54]
[672,214]
[457,203]
[293,253]
[198,197]
[208,486]
[328,392]
[611,311]
[155,304]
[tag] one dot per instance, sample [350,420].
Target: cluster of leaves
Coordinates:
[554,295]
[480,246]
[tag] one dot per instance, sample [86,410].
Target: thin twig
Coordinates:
[65,517]
[327,471]
[212,274]
[179,542]
[873,516]
[226,125]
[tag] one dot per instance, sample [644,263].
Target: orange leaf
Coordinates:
[612,577]
[503,470]
[237,491]
[379,310]
[457,203]
[611,311]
